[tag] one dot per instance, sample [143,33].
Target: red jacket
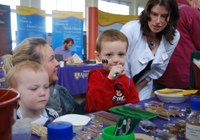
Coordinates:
[103,93]
[177,73]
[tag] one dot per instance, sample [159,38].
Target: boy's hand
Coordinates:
[116,71]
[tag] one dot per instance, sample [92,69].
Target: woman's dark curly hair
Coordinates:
[173,15]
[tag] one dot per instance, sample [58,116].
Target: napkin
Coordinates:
[76,60]
[196,62]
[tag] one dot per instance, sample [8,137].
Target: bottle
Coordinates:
[193,120]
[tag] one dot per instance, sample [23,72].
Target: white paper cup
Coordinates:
[62,63]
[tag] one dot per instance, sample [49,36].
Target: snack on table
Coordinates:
[177,128]
[168,91]
[163,113]
[39,130]
[106,117]
[139,136]
[163,135]
[177,91]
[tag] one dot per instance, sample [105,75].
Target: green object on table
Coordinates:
[108,134]
[134,122]
[133,112]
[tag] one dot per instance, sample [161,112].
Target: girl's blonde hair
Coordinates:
[14,73]
[29,49]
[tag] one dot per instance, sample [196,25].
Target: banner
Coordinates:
[5,30]
[112,21]
[65,25]
[30,23]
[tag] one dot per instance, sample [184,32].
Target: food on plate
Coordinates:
[168,91]
[176,91]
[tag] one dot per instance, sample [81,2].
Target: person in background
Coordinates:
[65,49]
[193,3]
[177,74]
[152,40]
[31,80]
[37,49]
[109,86]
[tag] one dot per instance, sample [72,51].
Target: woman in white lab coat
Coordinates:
[152,40]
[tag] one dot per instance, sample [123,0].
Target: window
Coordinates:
[61,5]
[12,4]
[48,24]
[118,7]
[48,5]
[140,9]
[13,26]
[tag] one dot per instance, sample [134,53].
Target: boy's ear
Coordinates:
[97,56]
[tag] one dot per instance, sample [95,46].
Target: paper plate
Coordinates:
[78,121]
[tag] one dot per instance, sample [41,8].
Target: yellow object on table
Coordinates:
[177,91]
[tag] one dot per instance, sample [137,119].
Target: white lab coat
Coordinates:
[139,55]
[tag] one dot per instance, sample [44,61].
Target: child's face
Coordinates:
[33,88]
[114,52]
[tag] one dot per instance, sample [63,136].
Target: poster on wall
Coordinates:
[30,23]
[68,25]
[112,21]
[5,30]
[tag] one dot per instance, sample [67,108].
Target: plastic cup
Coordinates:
[108,134]
[62,63]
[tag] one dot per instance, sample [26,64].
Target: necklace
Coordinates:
[152,44]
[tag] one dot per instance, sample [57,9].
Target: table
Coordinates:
[159,122]
[75,77]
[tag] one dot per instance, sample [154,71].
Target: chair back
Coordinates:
[194,71]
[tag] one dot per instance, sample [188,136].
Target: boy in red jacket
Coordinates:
[109,86]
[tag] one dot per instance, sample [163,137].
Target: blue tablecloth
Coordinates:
[75,77]
[160,122]
[2,84]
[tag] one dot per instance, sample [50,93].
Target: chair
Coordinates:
[194,71]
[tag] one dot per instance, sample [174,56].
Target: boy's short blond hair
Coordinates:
[13,74]
[110,36]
